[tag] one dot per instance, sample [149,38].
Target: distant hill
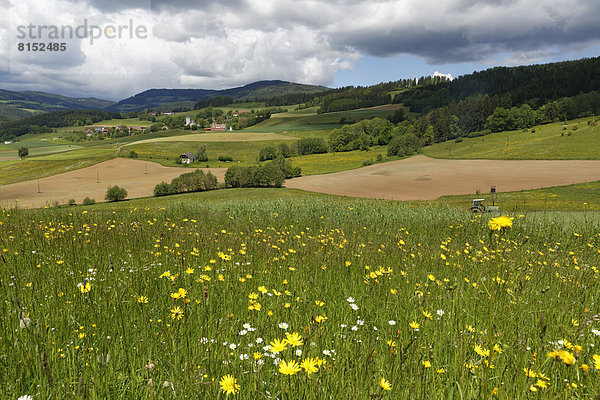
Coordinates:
[161,98]
[532,84]
[24,104]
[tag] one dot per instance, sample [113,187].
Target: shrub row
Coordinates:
[196,181]
[271,174]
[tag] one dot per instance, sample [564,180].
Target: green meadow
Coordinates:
[267,293]
[576,139]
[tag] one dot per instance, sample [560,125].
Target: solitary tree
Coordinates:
[115,193]
[23,152]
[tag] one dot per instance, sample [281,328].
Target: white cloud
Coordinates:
[447,76]
[212,44]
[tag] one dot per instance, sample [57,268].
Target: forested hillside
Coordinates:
[45,122]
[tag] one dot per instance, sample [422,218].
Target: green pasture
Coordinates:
[166,153]
[335,162]
[119,122]
[579,197]
[548,142]
[308,119]
[194,296]
[24,170]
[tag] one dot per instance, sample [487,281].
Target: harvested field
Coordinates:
[219,137]
[127,173]
[424,178]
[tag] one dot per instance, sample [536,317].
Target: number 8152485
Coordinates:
[50,46]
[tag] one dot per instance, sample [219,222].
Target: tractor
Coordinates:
[480,206]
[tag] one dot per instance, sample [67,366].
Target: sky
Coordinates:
[113,49]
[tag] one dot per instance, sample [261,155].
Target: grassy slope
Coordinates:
[308,119]
[19,171]
[580,197]
[548,142]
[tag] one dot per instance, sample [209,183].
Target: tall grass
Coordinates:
[489,305]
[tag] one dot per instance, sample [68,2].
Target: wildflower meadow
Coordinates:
[298,298]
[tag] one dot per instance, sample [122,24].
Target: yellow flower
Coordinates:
[564,355]
[189,271]
[253,296]
[289,368]
[142,299]
[427,364]
[498,223]
[257,355]
[481,351]
[294,339]
[530,373]
[596,361]
[309,365]
[585,367]
[86,287]
[278,346]
[254,306]
[177,312]
[229,384]
[427,314]
[414,325]
[541,384]
[320,318]
[385,384]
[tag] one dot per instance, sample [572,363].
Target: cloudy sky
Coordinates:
[218,44]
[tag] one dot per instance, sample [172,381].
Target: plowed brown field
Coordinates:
[424,178]
[127,173]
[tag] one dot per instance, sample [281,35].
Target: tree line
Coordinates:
[43,123]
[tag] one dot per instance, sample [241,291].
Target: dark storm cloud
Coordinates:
[476,31]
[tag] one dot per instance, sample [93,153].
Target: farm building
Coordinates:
[187,158]
[218,127]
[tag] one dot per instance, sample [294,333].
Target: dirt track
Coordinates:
[424,178]
[130,174]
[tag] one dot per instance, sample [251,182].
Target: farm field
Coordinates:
[244,153]
[415,178]
[236,136]
[578,197]
[580,140]
[25,170]
[308,119]
[138,178]
[308,296]
[424,178]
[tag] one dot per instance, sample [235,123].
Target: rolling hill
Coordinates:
[160,98]
[23,104]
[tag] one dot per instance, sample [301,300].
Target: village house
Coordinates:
[217,127]
[187,158]
[134,129]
